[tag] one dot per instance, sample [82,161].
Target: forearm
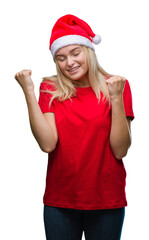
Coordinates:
[120,136]
[39,126]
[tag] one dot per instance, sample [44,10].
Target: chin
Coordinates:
[77,78]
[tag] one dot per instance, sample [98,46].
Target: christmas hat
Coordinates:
[69,30]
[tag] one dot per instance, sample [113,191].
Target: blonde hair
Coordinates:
[65,89]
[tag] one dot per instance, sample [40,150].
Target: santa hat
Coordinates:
[70,30]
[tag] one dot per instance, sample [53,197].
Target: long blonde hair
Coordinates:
[65,89]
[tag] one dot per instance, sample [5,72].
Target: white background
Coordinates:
[25,28]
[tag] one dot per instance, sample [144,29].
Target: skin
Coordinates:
[120,135]
[42,125]
[73,64]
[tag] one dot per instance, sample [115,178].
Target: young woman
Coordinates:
[82,120]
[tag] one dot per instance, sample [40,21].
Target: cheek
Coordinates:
[83,61]
[61,66]
[85,65]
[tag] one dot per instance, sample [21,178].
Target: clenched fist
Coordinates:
[115,86]
[24,79]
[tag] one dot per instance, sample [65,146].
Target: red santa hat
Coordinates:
[69,30]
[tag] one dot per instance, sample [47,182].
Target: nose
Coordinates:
[70,61]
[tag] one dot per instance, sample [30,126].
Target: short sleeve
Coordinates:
[44,98]
[127,99]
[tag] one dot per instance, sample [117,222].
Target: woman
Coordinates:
[82,120]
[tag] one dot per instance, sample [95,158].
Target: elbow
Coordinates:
[120,155]
[48,149]
[121,151]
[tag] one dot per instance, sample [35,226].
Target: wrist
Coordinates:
[28,91]
[116,98]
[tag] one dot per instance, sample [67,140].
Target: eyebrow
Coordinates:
[57,55]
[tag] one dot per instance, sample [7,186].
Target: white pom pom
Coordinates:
[96,39]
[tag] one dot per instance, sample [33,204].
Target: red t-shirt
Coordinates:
[82,171]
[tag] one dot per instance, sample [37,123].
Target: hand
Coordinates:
[24,79]
[115,86]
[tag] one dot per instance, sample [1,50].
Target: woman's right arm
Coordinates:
[42,125]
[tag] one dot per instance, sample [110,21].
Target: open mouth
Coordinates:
[74,69]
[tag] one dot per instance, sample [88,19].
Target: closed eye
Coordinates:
[76,54]
[60,58]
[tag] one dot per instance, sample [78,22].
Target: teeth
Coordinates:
[73,69]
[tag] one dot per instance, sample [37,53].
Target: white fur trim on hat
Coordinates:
[69,40]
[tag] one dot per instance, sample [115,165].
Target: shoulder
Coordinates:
[127,86]
[48,83]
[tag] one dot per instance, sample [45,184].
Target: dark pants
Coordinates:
[69,224]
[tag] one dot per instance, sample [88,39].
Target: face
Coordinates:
[72,62]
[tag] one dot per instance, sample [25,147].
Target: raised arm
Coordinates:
[120,135]
[42,125]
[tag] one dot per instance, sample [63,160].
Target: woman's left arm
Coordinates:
[120,135]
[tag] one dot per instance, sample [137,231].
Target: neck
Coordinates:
[81,83]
